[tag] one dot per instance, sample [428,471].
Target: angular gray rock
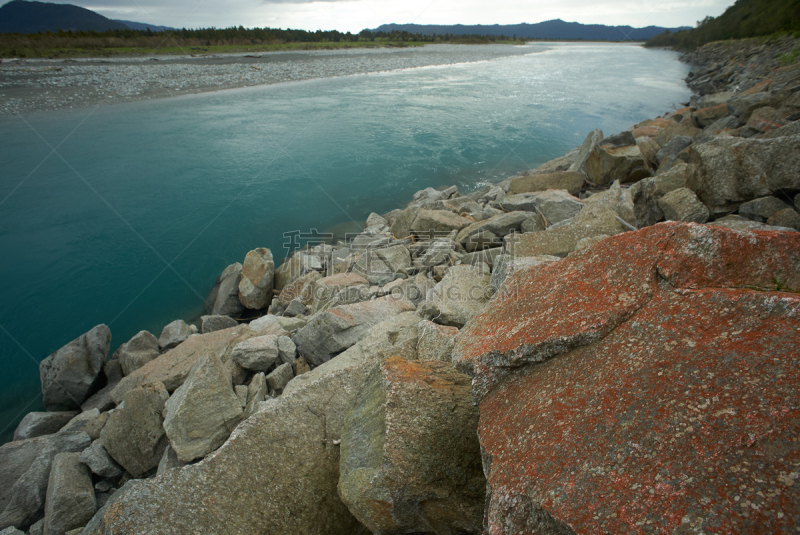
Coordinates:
[409,441]
[742,106]
[534,223]
[736,222]
[36,424]
[326,290]
[589,144]
[735,170]
[646,193]
[570,181]
[787,218]
[484,239]
[280,377]
[292,268]
[562,240]
[134,434]
[25,466]
[258,272]
[401,226]
[223,299]
[383,264]
[168,461]
[615,198]
[257,354]
[397,336]
[69,374]
[70,502]
[334,330]
[278,472]
[522,202]
[173,334]
[256,393]
[487,256]
[684,127]
[137,352]
[556,205]
[673,147]
[200,415]
[172,367]
[85,421]
[438,252]
[269,324]
[762,208]
[435,342]
[607,163]
[99,461]
[295,308]
[219,322]
[683,205]
[437,222]
[287,351]
[623,139]
[460,295]
[241,393]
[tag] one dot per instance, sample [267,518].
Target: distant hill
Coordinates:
[551,29]
[143,26]
[745,18]
[21,16]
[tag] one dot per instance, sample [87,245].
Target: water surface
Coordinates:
[142,205]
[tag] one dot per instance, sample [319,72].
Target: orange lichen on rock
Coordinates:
[671,404]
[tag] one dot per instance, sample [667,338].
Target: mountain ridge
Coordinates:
[551,29]
[21,16]
[28,16]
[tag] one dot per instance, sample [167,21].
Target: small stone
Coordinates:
[300,366]
[762,208]
[168,461]
[295,308]
[258,272]
[173,334]
[137,352]
[257,354]
[683,205]
[256,393]
[435,342]
[69,374]
[787,218]
[223,299]
[219,322]
[280,377]
[460,295]
[99,461]
[287,351]
[134,434]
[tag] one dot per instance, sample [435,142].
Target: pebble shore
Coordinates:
[33,85]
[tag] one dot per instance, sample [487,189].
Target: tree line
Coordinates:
[744,19]
[234,36]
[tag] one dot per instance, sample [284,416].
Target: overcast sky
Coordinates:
[355,15]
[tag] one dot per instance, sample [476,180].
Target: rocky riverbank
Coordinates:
[606,343]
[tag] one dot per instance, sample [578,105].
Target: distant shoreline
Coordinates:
[41,85]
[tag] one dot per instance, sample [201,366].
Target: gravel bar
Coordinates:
[32,85]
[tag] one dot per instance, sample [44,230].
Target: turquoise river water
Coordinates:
[132,217]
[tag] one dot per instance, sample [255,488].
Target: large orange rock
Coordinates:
[646,384]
